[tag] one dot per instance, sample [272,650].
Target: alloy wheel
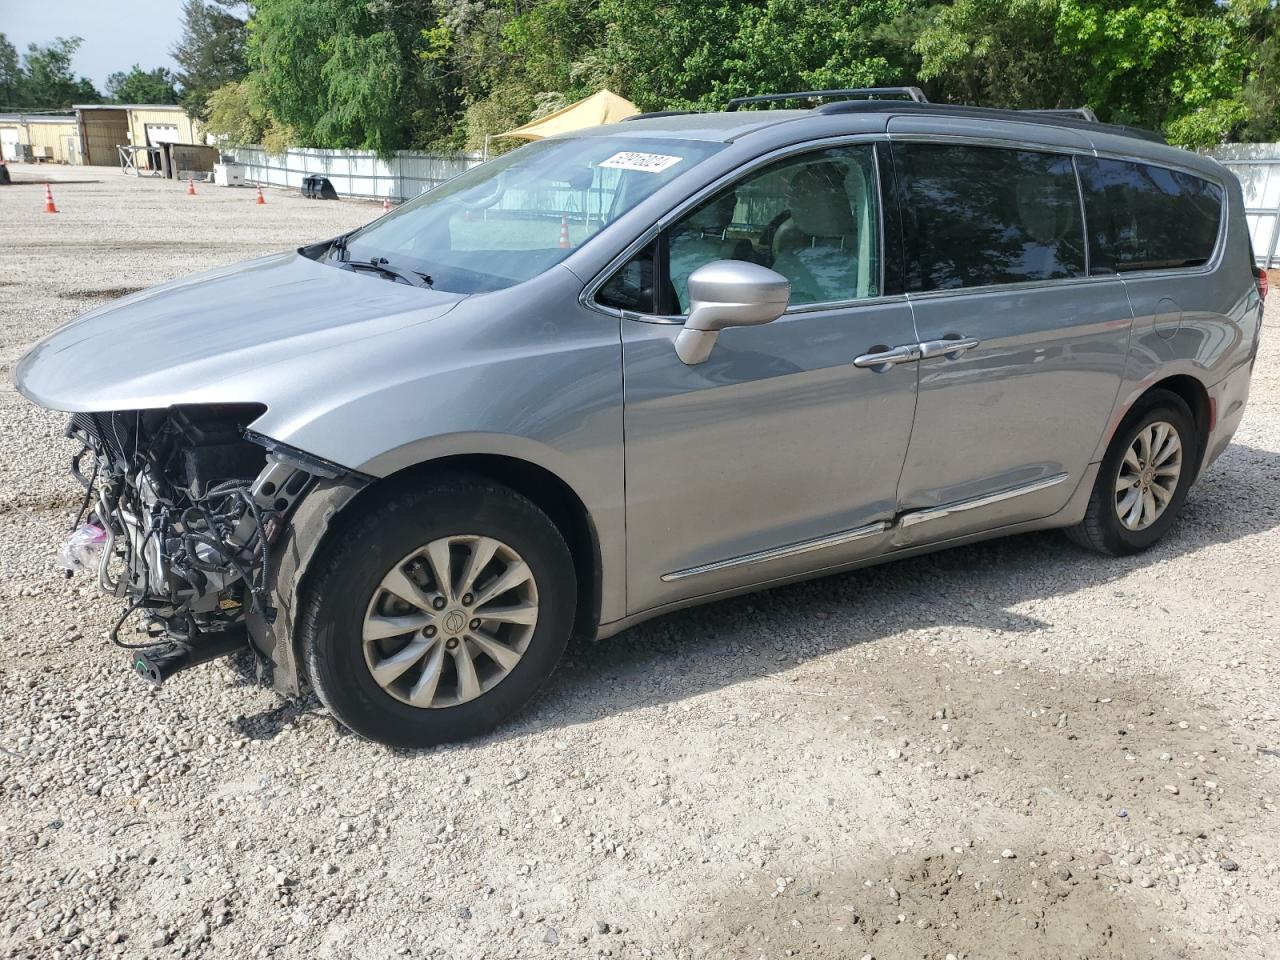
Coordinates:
[450,621]
[1148,476]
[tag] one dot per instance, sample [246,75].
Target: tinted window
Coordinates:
[632,287]
[1143,217]
[983,215]
[813,218]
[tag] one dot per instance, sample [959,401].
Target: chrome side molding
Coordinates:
[778,553]
[937,513]
[870,530]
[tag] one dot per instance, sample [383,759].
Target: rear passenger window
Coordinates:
[1144,217]
[978,216]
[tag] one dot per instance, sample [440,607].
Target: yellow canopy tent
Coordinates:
[602,107]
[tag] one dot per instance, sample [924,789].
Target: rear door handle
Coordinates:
[883,359]
[950,349]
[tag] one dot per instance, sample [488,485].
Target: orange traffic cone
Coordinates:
[564,233]
[191,187]
[386,204]
[48,200]
[261,199]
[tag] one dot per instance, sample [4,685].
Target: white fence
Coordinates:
[354,173]
[1258,167]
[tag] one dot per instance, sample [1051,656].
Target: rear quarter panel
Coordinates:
[1203,323]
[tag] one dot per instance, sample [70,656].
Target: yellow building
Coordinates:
[51,138]
[106,126]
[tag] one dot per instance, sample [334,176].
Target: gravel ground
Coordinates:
[1010,750]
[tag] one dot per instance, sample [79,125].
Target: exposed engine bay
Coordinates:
[188,502]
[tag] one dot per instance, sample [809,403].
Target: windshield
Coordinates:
[514,217]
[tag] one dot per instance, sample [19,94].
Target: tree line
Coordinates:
[445,74]
[42,79]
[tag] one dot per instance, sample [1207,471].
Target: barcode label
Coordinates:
[644,162]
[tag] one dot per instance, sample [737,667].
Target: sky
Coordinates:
[117,33]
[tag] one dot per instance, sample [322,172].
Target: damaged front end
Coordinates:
[188,502]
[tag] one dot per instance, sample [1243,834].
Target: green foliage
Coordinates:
[142,86]
[700,53]
[44,79]
[1260,97]
[386,74]
[995,53]
[10,72]
[345,73]
[1177,65]
[234,114]
[1155,62]
[211,52]
[507,107]
[447,74]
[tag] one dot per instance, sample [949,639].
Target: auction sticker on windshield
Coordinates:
[644,162]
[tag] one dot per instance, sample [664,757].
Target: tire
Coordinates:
[347,601]
[1103,528]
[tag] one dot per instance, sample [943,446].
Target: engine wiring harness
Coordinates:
[190,501]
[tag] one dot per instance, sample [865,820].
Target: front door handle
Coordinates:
[949,348]
[883,359]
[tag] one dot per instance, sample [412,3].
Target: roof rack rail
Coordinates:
[1079,113]
[1074,119]
[657,113]
[913,93]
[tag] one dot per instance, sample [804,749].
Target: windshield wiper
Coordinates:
[381,265]
[340,245]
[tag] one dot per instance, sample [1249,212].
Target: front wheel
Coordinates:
[1144,477]
[439,613]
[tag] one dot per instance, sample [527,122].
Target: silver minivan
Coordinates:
[647,365]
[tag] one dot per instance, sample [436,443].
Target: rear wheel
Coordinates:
[1144,477]
[439,614]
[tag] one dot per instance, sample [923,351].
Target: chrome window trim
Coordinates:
[588,296]
[973,503]
[1084,216]
[1004,143]
[779,553]
[1021,286]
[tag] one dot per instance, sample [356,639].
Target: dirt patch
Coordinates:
[1091,813]
[959,904]
[106,293]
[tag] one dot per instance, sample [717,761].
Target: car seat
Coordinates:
[699,239]
[824,249]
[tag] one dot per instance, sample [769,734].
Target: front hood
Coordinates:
[183,341]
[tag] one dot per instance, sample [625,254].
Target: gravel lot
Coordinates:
[1012,750]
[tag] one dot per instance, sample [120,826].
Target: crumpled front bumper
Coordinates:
[291,557]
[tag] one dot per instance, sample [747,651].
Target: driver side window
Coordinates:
[814,218]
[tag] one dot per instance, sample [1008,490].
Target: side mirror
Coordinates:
[728,293]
